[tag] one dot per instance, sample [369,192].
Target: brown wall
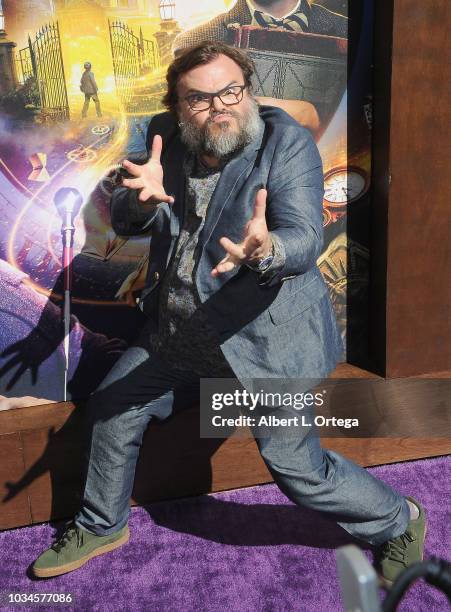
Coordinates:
[411,207]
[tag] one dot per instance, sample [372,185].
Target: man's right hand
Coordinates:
[148,177]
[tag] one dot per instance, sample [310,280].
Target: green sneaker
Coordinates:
[74,548]
[397,554]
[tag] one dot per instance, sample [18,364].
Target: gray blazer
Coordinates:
[283,326]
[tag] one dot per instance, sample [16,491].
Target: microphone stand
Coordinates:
[68,202]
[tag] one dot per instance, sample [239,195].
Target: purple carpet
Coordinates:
[245,550]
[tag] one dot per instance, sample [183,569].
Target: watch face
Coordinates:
[265,263]
[344,185]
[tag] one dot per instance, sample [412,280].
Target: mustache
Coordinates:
[211,117]
[216,113]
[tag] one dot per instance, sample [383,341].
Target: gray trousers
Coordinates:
[141,386]
[95,99]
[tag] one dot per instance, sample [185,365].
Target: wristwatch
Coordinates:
[261,265]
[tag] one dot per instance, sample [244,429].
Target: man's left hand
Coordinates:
[256,243]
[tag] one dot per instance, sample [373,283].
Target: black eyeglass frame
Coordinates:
[217,94]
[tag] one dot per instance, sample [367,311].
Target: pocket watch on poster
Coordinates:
[344,185]
[327,217]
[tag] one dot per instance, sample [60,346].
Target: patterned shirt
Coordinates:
[186,340]
[185,334]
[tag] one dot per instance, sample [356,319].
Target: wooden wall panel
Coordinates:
[175,463]
[411,177]
[16,509]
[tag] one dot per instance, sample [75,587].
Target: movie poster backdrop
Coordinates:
[74,101]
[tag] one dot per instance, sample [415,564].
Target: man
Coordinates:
[292,15]
[232,290]
[88,86]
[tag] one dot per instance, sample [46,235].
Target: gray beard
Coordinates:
[225,143]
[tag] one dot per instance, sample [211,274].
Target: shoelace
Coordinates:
[66,537]
[396,549]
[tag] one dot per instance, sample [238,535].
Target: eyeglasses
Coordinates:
[233,94]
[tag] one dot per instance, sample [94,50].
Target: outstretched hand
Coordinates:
[256,243]
[148,177]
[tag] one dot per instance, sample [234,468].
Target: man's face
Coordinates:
[221,129]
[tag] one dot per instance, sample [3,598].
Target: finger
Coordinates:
[226,266]
[136,183]
[227,258]
[215,272]
[147,195]
[236,250]
[134,169]
[224,259]
[157,146]
[260,204]
[254,239]
[222,267]
[253,245]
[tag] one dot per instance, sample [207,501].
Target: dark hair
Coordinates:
[197,55]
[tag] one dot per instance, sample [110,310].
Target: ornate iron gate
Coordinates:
[42,62]
[25,68]
[134,57]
